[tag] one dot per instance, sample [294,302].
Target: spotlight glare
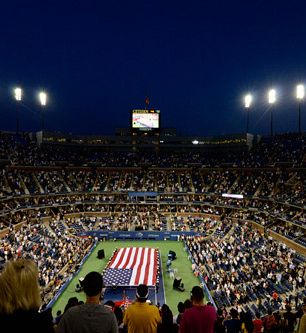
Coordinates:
[247,100]
[43,98]
[18,94]
[300,91]
[272,96]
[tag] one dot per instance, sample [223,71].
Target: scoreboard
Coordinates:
[146,120]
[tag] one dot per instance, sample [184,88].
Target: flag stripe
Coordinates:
[142,268]
[130,258]
[146,269]
[134,259]
[149,269]
[121,257]
[135,268]
[124,258]
[117,258]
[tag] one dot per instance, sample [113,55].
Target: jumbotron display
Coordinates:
[145,119]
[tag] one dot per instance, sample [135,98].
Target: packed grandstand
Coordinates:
[246,248]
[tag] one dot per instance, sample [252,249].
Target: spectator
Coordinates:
[289,318]
[181,309]
[234,324]
[302,322]
[247,323]
[167,325]
[110,305]
[141,317]
[258,325]
[279,322]
[92,316]
[72,301]
[275,296]
[269,323]
[188,304]
[20,299]
[58,317]
[300,311]
[200,317]
[219,327]
[119,316]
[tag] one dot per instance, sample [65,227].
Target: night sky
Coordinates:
[194,59]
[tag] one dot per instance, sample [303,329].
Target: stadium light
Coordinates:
[247,104]
[272,100]
[300,93]
[247,101]
[43,98]
[18,98]
[43,102]
[18,94]
[272,96]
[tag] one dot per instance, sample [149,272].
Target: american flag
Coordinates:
[131,266]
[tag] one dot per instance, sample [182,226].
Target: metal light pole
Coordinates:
[43,102]
[272,100]
[247,104]
[18,98]
[300,93]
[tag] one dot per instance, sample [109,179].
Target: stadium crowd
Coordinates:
[245,268]
[49,195]
[57,254]
[22,149]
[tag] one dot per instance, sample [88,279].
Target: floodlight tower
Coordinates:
[43,102]
[300,93]
[247,104]
[18,98]
[272,100]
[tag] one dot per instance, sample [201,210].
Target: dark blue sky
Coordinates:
[195,60]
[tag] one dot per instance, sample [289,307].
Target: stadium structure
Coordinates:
[236,202]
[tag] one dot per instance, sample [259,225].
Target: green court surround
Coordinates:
[182,264]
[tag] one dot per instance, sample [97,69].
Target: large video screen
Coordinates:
[145,119]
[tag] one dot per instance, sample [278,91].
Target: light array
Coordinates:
[42,96]
[272,96]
